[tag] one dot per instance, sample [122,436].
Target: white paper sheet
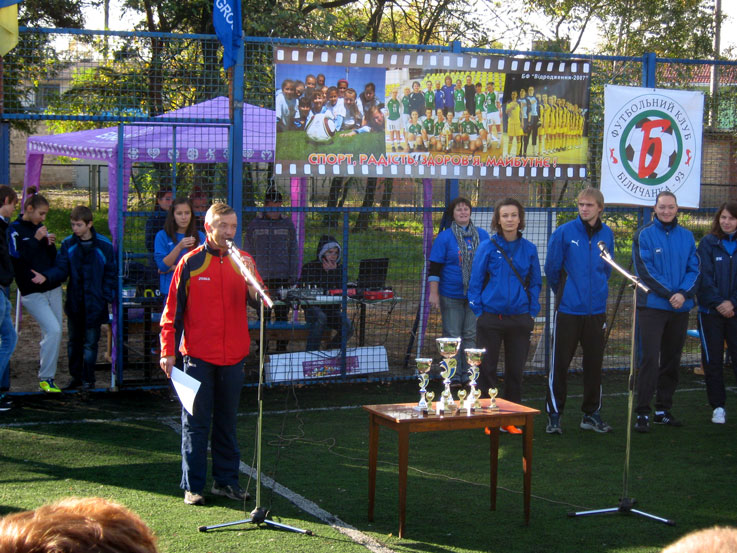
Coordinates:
[186,388]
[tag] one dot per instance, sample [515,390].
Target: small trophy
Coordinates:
[448,348]
[473,358]
[493,392]
[462,398]
[423,369]
[430,396]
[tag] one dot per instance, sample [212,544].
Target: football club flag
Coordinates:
[226,17]
[652,143]
[8,25]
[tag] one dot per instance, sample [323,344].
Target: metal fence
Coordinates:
[59,81]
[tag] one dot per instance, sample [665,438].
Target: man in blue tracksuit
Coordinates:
[579,278]
[665,259]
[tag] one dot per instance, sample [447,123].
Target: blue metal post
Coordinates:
[648,70]
[235,180]
[121,235]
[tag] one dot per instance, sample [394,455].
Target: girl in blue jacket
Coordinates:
[717,297]
[504,293]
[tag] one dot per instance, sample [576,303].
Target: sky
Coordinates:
[95,20]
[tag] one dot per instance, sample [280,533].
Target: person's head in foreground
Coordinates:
[76,525]
[719,539]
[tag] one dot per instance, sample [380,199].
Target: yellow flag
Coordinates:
[8,28]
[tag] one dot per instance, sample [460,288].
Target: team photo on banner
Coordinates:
[652,143]
[424,115]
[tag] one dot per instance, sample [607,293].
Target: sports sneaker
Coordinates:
[553,426]
[510,429]
[666,418]
[642,424]
[5,403]
[74,384]
[48,386]
[594,422]
[233,492]
[719,416]
[191,498]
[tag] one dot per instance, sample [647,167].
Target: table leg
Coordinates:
[527,464]
[373,455]
[494,464]
[403,461]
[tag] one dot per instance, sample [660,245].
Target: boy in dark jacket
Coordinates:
[88,260]
[8,337]
[325,272]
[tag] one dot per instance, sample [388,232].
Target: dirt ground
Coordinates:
[25,360]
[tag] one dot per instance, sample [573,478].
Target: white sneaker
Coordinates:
[719,416]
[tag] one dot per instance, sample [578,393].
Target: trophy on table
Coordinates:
[448,348]
[430,396]
[423,369]
[493,392]
[473,358]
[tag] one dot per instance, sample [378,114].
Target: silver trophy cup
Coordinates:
[448,348]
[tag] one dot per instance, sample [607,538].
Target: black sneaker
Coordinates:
[74,384]
[642,424]
[5,403]
[667,419]
[594,422]
[233,492]
[553,426]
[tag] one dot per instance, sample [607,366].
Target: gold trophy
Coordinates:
[493,392]
[423,369]
[462,398]
[473,358]
[430,396]
[448,348]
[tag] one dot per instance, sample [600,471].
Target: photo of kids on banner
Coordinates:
[329,110]
[487,113]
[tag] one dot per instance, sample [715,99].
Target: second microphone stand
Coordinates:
[626,503]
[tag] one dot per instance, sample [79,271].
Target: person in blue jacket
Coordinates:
[451,259]
[87,259]
[665,260]
[579,277]
[504,293]
[717,297]
[179,236]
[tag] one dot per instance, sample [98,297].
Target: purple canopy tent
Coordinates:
[158,142]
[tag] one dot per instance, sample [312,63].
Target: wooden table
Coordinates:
[404,419]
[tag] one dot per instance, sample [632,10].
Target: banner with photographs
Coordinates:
[652,142]
[429,115]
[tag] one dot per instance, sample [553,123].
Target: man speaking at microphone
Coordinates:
[207,307]
[579,278]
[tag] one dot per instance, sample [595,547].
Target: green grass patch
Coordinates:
[121,446]
[294,145]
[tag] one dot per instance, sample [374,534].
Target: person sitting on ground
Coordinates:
[77,525]
[325,272]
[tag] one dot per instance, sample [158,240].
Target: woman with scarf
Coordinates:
[450,269]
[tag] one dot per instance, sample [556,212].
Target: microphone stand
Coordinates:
[626,503]
[259,514]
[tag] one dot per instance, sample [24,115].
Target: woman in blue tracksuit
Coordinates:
[451,259]
[505,301]
[717,296]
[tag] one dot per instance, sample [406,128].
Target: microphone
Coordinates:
[247,274]
[602,248]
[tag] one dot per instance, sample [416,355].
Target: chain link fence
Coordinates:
[64,81]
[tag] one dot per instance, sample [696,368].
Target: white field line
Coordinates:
[309,507]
